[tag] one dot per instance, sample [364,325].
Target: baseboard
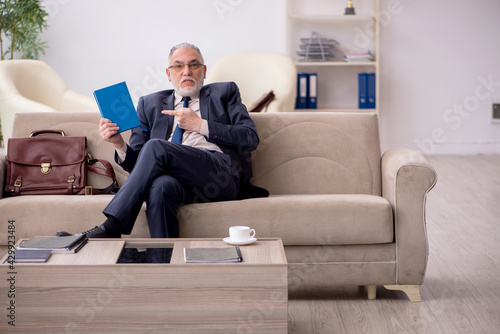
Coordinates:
[462,148]
[429,147]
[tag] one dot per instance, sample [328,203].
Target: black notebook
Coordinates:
[31,256]
[207,255]
[69,244]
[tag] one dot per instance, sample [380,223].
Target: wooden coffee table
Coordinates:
[90,292]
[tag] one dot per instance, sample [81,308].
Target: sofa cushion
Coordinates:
[317,153]
[297,219]
[45,215]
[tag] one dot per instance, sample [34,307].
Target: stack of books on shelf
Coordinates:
[314,48]
[307,91]
[366,90]
[39,249]
[365,56]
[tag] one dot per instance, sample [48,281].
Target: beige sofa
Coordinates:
[346,214]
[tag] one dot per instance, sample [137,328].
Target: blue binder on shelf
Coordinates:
[362,90]
[302,89]
[115,104]
[371,90]
[312,102]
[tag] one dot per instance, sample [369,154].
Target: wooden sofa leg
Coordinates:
[412,291]
[372,292]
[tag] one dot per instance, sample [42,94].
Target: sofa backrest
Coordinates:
[299,152]
[317,153]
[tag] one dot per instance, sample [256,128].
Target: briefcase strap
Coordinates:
[107,171]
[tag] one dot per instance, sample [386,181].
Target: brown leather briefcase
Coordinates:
[52,165]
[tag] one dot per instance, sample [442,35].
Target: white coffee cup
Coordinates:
[241,233]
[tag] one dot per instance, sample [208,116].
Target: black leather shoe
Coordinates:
[96,232]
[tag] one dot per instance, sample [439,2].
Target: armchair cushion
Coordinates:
[33,86]
[257,73]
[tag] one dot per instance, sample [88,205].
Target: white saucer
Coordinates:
[246,242]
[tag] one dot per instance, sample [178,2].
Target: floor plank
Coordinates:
[461,292]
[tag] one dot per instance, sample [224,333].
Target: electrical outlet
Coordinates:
[495,115]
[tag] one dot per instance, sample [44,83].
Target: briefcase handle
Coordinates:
[39,132]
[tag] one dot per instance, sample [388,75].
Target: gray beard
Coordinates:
[193,91]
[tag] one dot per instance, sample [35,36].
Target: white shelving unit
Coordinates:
[337,79]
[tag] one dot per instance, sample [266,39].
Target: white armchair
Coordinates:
[257,73]
[34,86]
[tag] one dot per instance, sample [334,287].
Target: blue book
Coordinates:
[370,90]
[362,91]
[312,102]
[115,104]
[302,90]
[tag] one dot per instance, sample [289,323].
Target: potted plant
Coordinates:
[21,22]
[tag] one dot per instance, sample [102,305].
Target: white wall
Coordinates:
[440,60]
[96,43]
[436,58]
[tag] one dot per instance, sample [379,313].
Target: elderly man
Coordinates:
[193,145]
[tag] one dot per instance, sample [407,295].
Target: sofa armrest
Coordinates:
[3,170]
[406,180]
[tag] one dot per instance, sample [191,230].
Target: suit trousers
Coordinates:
[166,176]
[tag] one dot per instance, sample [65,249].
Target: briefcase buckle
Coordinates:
[18,183]
[88,190]
[45,167]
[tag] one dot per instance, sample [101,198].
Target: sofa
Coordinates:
[347,214]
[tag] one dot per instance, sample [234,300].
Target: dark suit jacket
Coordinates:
[229,124]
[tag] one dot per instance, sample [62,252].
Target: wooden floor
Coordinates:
[461,292]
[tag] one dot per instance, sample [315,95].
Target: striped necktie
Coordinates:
[178,132]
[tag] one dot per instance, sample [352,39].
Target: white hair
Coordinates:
[184,45]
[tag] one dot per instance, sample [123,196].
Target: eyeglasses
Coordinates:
[192,66]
